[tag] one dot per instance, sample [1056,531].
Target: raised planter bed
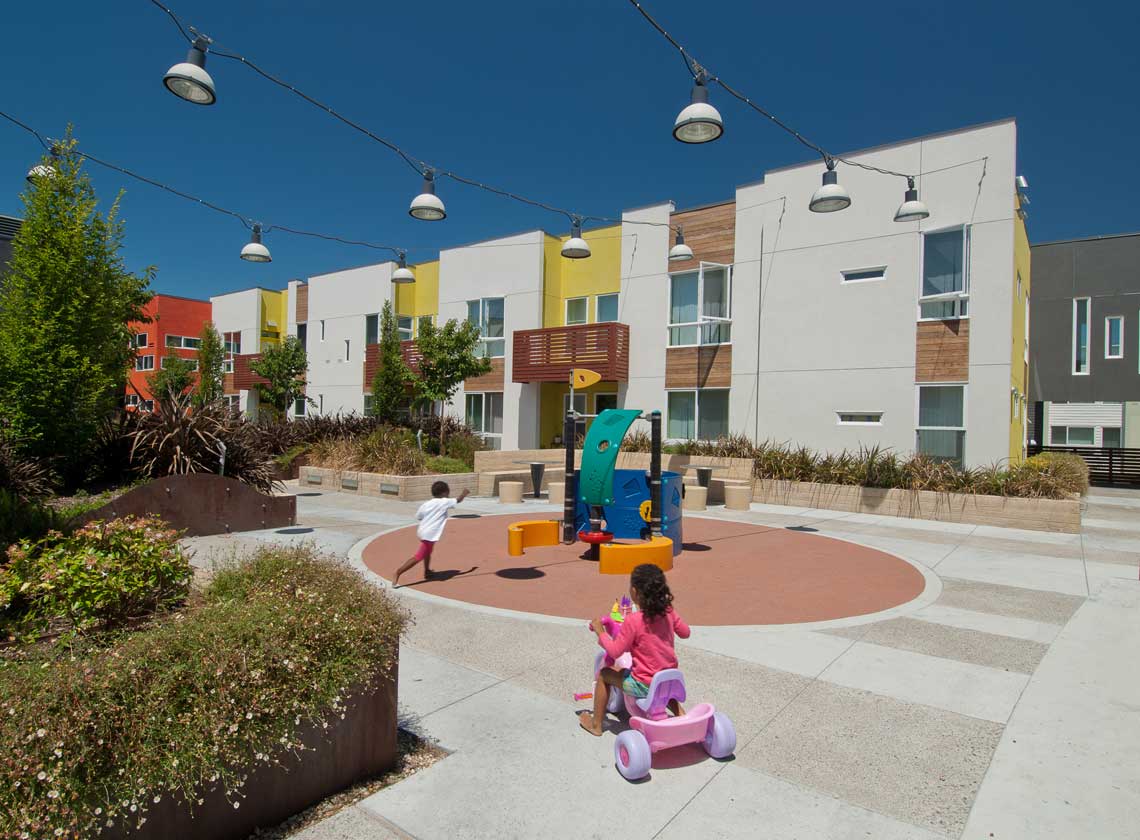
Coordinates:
[406,488]
[1059,515]
[361,745]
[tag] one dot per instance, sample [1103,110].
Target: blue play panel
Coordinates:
[623,517]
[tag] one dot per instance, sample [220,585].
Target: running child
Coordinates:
[433,517]
[647,635]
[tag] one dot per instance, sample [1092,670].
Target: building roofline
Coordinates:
[180,297]
[650,206]
[704,206]
[249,289]
[1083,239]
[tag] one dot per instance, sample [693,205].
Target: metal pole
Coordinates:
[221,457]
[655,474]
[570,500]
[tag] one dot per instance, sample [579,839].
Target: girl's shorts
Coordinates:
[634,687]
[424,551]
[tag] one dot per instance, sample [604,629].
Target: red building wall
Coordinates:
[170,316]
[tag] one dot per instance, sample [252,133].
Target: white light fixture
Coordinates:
[403,274]
[911,210]
[254,251]
[576,248]
[680,252]
[45,170]
[831,196]
[189,80]
[427,206]
[699,122]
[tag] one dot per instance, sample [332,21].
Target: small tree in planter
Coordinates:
[211,367]
[283,367]
[392,374]
[173,378]
[447,357]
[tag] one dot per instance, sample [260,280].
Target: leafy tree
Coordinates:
[64,307]
[284,367]
[173,378]
[447,358]
[211,367]
[392,374]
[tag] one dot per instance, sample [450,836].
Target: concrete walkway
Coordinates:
[1002,703]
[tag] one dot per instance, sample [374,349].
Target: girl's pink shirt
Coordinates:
[649,643]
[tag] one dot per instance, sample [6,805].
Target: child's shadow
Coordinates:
[443,575]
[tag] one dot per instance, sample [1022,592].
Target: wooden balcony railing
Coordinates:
[409,350]
[245,379]
[548,355]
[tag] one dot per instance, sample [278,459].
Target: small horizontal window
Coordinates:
[864,274]
[860,418]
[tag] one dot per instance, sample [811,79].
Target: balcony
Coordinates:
[408,349]
[548,355]
[245,379]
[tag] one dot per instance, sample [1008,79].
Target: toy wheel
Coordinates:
[632,755]
[720,742]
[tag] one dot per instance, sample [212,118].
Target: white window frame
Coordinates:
[566,311]
[182,342]
[232,401]
[484,435]
[1067,427]
[375,315]
[702,320]
[228,365]
[132,399]
[231,346]
[696,392]
[194,362]
[1088,337]
[598,307]
[918,386]
[1120,434]
[142,340]
[322,329]
[347,350]
[144,363]
[846,277]
[146,405]
[839,421]
[1107,344]
[408,332]
[300,401]
[962,298]
[485,339]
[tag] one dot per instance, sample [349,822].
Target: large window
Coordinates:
[941,430]
[1072,435]
[372,329]
[193,362]
[700,306]
[607,308]
[697,415]
[233,402]
[945,274]
[303,335]
[1080,336]
[1114,337]
[183,342]
[577,311]
[141,340]
[144,363]
[1110,437]
[487,315]
[232,342]
[485,418]
[404,327]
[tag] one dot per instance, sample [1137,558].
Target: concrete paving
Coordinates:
[1001,704]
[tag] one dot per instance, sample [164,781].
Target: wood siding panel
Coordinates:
[699,367]
[372,361]
[303,303]
[228,386]
[244,379]
[710,232]
[492,381]
[549,354]
[942,351]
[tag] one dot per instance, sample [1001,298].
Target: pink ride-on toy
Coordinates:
[652,728]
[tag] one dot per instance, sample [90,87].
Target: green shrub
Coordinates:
[100,576]
[286,459]
[97,734]
[387,449]
[461,445]
[25,519]
[444,464]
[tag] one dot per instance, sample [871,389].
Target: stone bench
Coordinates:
[489,481]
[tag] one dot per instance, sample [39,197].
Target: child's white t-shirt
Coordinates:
[433,516]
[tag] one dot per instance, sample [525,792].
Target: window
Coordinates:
[700,303]
[144,363]
[945,275]
[422,321]
[603,402]
[941,432]
[1080,336]
[321,401]
[228,366]
[232,342]
[233,402]
[193,362]
[372,329]
[485,417]
[147,405]
[697,415]
[347,350]
[1072,435]
[303,335]
[299,406]
[369,405]
[141,339]
[577,311]
[860,418]
[183,342]
[322,330]
[579,407]
[864,274]
[606,308]
[132,399]
[404,327]
[1114,337]
[1110,438]
[487,315]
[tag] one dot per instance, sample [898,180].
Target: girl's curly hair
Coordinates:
[654,597]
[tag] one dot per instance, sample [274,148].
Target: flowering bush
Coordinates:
[94,735]
[100,576]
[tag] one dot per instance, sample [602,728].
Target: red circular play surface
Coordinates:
[728,573]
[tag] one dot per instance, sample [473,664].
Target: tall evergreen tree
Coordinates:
[64,307]
[211,366]
[392,374]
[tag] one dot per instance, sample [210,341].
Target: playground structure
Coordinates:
[641,507]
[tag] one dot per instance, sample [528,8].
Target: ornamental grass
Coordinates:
[95,732]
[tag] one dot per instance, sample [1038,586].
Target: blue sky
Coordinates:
[570,103]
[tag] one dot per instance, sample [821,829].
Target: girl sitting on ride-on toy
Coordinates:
[647,635]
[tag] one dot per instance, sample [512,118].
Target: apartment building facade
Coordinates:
[174,329]
[1085,340]
[248,321]
[833,331]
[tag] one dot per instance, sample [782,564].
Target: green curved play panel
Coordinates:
[599,455]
